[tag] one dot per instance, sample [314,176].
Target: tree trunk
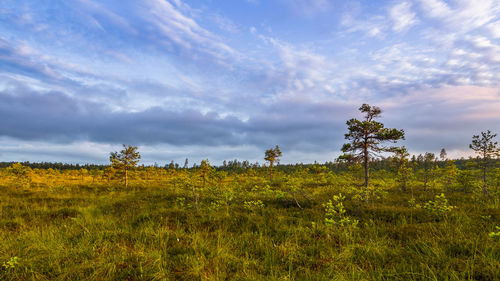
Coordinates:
[296,201]
[367,172]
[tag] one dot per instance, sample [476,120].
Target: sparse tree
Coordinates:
[443,154]
[403,167]
[95,174]
[272,155]
[125,160]
[171,166]
[205,168]
[428,163]
[487,150]
[203,171]
[449,175]
[365,138]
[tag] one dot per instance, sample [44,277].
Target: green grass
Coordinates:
[146,234]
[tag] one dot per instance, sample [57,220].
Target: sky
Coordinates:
[228,79]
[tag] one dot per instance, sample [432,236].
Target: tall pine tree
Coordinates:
[365,140]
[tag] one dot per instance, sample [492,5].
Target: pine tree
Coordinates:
[365,138]
[403,168]
[487,150]
[443,154]
[272,155]
[429,163]
[125,160]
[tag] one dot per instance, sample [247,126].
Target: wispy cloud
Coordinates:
[185,31]
[372,27]
[102,11]
[402,16]
[297,72]
[18,59]
[436,8]
[464,15]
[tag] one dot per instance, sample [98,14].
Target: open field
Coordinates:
[364,136]
[245,227]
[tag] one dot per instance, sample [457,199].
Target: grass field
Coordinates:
[84,233]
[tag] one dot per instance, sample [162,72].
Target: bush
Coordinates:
[335,213]
[438,207]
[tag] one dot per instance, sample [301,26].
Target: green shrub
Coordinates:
[495,235]
[253,205]
[438,207]
[335,213]
[11,263]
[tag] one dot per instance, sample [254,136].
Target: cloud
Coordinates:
[402,16]
[372,27]
[298,127]
[464,15]
[13,59]
[436,8]
[103,12]
[224,23]
[22,59]
[98,29]
[295,72]
[57,117]
[76,152]
[494,29]
[184,31]
[444,117]
[161,74]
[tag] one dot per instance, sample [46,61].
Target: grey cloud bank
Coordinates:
[57,117]
[312,128]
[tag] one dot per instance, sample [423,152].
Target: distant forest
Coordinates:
[237,165]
